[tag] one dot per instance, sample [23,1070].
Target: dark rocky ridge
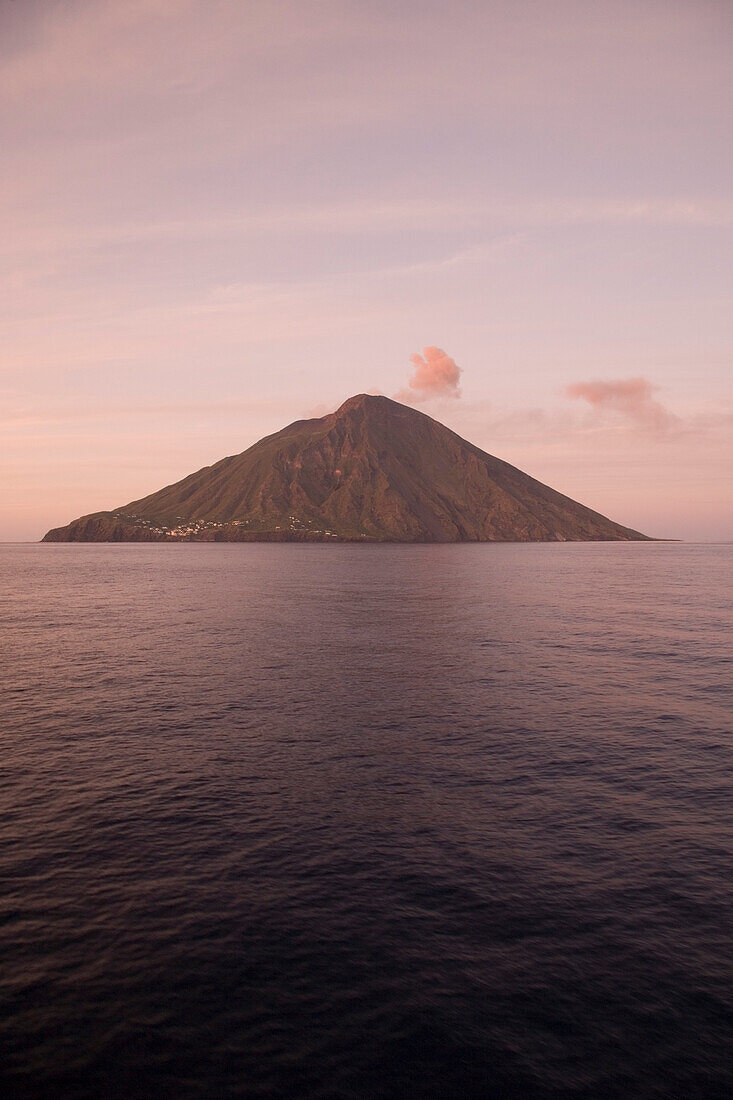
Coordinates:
[374,470]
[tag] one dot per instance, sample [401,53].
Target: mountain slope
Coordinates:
[373,470]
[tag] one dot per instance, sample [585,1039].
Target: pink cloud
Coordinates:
[435,375]
[632,397]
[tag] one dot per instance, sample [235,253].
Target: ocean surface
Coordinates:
[366,821]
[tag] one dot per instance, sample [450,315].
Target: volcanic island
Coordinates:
[373,471]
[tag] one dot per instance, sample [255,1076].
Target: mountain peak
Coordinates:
[364,401]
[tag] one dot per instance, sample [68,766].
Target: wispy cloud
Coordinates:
[44,233]
[631,397]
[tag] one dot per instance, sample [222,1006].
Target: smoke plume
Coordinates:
[435,375]
[632,397]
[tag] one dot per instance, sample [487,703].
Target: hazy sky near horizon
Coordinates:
[221,216]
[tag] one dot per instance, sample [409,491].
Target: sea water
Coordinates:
[366,821]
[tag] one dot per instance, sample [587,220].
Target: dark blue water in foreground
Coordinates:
[366,821]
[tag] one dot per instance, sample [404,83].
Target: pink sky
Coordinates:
[217,215]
